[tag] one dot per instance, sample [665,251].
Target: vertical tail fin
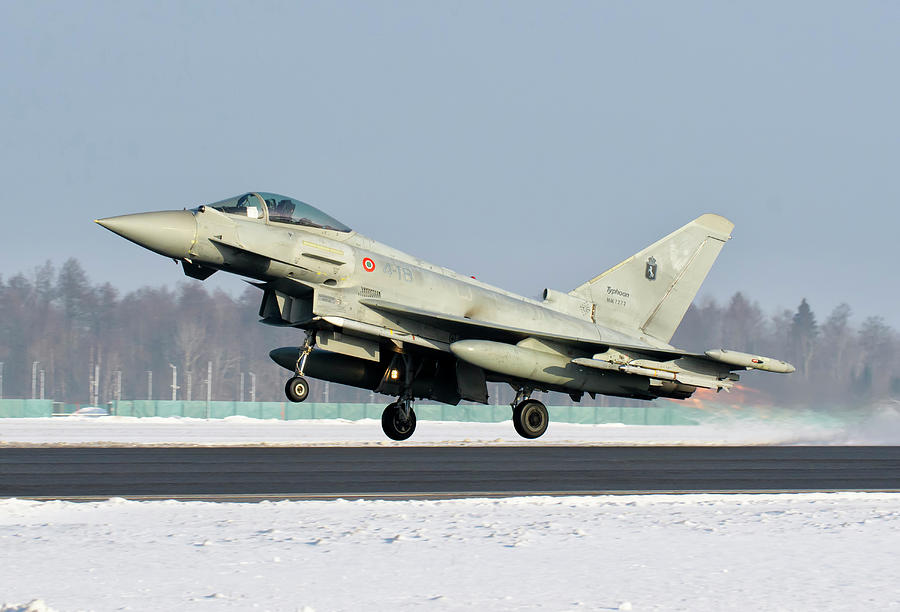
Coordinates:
[650,291]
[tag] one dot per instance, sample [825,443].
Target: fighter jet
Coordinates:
[379,319]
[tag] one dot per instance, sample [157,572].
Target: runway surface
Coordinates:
[256,473]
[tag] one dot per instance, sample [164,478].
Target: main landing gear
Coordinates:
[398,421]
[530,417]
[297,389]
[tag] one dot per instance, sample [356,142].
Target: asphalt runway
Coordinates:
[256,473]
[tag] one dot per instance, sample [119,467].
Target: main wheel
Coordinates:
[394,427]
[530,418]
[296,389]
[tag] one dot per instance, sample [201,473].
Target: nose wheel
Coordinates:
[296,389]
[398,421]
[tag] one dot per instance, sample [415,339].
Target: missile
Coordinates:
[746,360]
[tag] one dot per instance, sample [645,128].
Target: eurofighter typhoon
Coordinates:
[379,319]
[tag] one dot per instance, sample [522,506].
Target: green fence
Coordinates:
[26,408]
[671,414]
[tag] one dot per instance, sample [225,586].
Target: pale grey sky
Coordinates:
[531,144]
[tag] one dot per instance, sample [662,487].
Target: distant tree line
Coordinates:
[87,341]
[81,334]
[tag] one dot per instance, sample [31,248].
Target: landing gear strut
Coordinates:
[530,417]
[297,389]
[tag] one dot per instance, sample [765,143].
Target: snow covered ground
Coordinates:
[880,426]
[655,552]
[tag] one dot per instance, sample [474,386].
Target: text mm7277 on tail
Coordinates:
[379,319]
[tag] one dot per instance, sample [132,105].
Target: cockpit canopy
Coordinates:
[280,209]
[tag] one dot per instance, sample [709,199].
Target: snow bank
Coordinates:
[655,552]
[92,411]
[873,426]
[35,605]
[248,431]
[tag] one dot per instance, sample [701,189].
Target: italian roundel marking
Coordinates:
[368,264]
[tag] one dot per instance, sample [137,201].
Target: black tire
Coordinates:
[296,389]
[516,418]
[393,427]
[530,418]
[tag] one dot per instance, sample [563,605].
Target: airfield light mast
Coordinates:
[174,380]
[96,399]
[34,365]
[208,386]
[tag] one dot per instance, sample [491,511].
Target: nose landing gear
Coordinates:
[297,389]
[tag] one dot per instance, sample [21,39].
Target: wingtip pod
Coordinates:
[746,360]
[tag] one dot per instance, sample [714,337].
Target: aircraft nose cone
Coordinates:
[170,233]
